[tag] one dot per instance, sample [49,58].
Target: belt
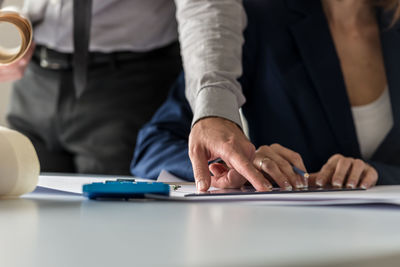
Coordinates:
[51,59]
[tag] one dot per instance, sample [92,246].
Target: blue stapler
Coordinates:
[124,189]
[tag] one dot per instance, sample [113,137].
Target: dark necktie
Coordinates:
[82,21]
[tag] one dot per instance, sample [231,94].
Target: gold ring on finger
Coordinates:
[261,162]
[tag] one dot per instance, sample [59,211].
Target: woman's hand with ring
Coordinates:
[277,162]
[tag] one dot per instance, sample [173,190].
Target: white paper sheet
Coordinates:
[375,195]
[167,177]
[73,183]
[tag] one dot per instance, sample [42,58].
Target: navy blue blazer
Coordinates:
[295,93]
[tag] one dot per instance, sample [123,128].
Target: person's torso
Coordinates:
[117,25]
[295,90]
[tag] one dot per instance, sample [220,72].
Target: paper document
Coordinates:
[375,195]
[61,184]
[73,183]
[167,177]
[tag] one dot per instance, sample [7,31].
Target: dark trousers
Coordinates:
[95,133]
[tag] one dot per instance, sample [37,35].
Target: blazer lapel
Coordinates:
[312,36]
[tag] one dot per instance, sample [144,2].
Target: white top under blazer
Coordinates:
[373,122]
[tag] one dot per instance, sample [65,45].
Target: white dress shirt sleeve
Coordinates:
[35,10]
[211,36]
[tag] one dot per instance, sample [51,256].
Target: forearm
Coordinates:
[211,36]
[388,174]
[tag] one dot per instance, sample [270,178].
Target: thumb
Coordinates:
[218,169]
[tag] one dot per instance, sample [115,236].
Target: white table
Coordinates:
[57,231]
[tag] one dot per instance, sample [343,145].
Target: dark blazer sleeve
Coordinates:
[388,174]
[162,144]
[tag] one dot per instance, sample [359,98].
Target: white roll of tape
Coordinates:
[19,164]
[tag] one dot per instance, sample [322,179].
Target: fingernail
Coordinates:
[267,187]
[336,184]
[287,186]
[351,185]
[364,186]
[299,184]
[201,185]
[319,183]
[304,183]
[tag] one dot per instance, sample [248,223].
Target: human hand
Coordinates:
[224,177]
[342,171]
[15,71]
[213,138]
[277,162]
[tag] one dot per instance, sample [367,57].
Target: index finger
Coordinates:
[245,167]
[293,157]
[200,169]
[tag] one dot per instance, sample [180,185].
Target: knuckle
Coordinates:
[194,150]
[340,173]
[247,165]
[331,160]
[270,165]
[227,144]
[282,163]
[345,162]
[296,157]
[324,168]
[263,148]
[251,148]
[358,163]
[275,145]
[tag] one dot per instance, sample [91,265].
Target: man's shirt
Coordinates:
[117,25]
[211,35]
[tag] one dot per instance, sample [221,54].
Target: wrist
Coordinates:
[216,103]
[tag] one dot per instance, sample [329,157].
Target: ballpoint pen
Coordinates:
[303,174]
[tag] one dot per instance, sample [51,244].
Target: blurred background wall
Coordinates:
[5,88]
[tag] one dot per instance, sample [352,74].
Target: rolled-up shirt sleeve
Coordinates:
[34,10]
[211,36]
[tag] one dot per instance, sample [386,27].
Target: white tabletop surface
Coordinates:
[48,231]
